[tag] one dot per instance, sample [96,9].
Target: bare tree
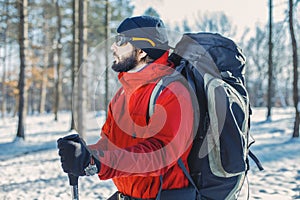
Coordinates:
[216,22]
[3,89]
[107,33]
[295,67]
[3,85]
[256,71]
[44,81]
[151,12]
[74,65]
[82,86]
[270,63]
[58,65]
[23,44]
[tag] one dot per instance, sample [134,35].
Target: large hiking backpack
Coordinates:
[213,66]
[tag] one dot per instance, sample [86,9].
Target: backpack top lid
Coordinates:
[192,46]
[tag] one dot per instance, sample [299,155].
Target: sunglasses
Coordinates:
[122,40]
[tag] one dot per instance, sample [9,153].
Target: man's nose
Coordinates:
[113,47]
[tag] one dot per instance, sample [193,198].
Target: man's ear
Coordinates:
[141,54]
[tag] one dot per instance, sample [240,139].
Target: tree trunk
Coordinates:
[107,33]
[3,86]
[295,67]
[44,82]
[43,88]
[23,44]
[82,86]
[16,108]
[3,89]
[74,63]
[270,63]
[58,65]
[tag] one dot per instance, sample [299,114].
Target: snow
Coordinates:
[31,169]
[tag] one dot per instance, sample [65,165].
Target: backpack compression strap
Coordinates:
[255,159]
[186,173]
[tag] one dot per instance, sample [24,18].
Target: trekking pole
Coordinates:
[73,180]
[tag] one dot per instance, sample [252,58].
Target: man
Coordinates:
[139,150]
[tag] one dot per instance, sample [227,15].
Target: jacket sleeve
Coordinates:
[168,136]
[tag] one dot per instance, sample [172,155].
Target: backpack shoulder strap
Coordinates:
[154,95]
[161,84]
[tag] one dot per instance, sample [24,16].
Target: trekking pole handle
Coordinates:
[73,180]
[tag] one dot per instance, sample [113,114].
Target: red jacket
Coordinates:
[136,148]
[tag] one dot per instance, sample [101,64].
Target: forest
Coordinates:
[55,57]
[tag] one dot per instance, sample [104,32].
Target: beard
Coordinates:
[126,64]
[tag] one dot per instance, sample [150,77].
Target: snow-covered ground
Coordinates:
[31,169]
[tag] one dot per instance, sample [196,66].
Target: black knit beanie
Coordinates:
[146,27]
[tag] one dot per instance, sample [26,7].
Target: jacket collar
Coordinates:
[149,74]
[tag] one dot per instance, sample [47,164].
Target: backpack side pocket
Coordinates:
[227,134]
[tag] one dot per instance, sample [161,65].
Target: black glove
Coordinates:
[75,156]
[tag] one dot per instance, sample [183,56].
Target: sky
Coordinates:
[243,13]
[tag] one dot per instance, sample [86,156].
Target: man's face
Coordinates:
[125,57]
